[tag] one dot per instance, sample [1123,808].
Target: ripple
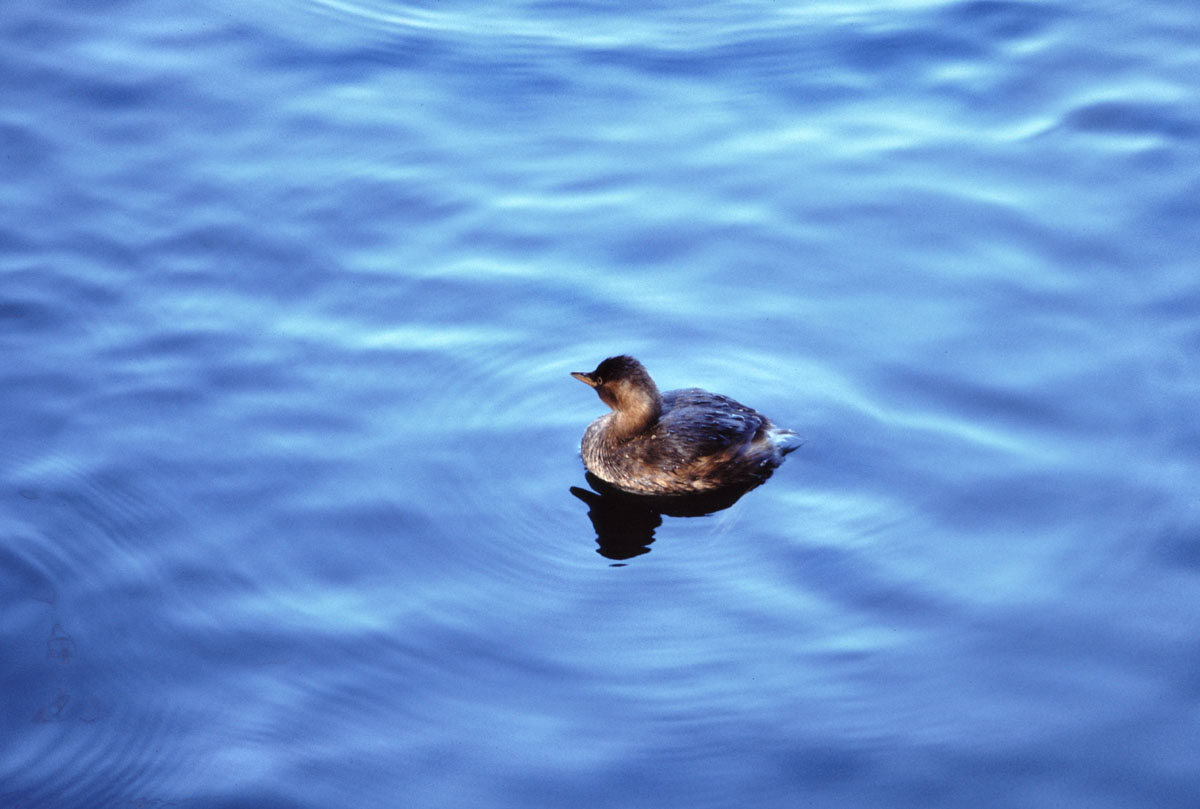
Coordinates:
[42,299]
[25,577]
[1131,118]
[25,149]
[90,570]
[1003,20]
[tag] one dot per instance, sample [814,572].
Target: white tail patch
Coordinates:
[786,440]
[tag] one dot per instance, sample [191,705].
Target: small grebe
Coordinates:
[679,442]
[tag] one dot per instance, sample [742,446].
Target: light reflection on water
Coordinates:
[293,513]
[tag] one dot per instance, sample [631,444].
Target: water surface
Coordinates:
[289,294]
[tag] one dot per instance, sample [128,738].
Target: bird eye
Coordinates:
[599,381]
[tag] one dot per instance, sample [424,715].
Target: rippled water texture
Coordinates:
[291,508]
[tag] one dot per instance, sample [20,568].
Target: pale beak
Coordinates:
[584,378]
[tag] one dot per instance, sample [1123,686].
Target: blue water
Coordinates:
[289,294]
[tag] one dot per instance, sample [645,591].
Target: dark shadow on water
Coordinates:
[625,523]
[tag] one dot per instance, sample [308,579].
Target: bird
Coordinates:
[681,442]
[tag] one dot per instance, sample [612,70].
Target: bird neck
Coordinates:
[637,411]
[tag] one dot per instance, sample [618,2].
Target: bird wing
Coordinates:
[703,423]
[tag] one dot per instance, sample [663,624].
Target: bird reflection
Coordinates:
[625,522]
